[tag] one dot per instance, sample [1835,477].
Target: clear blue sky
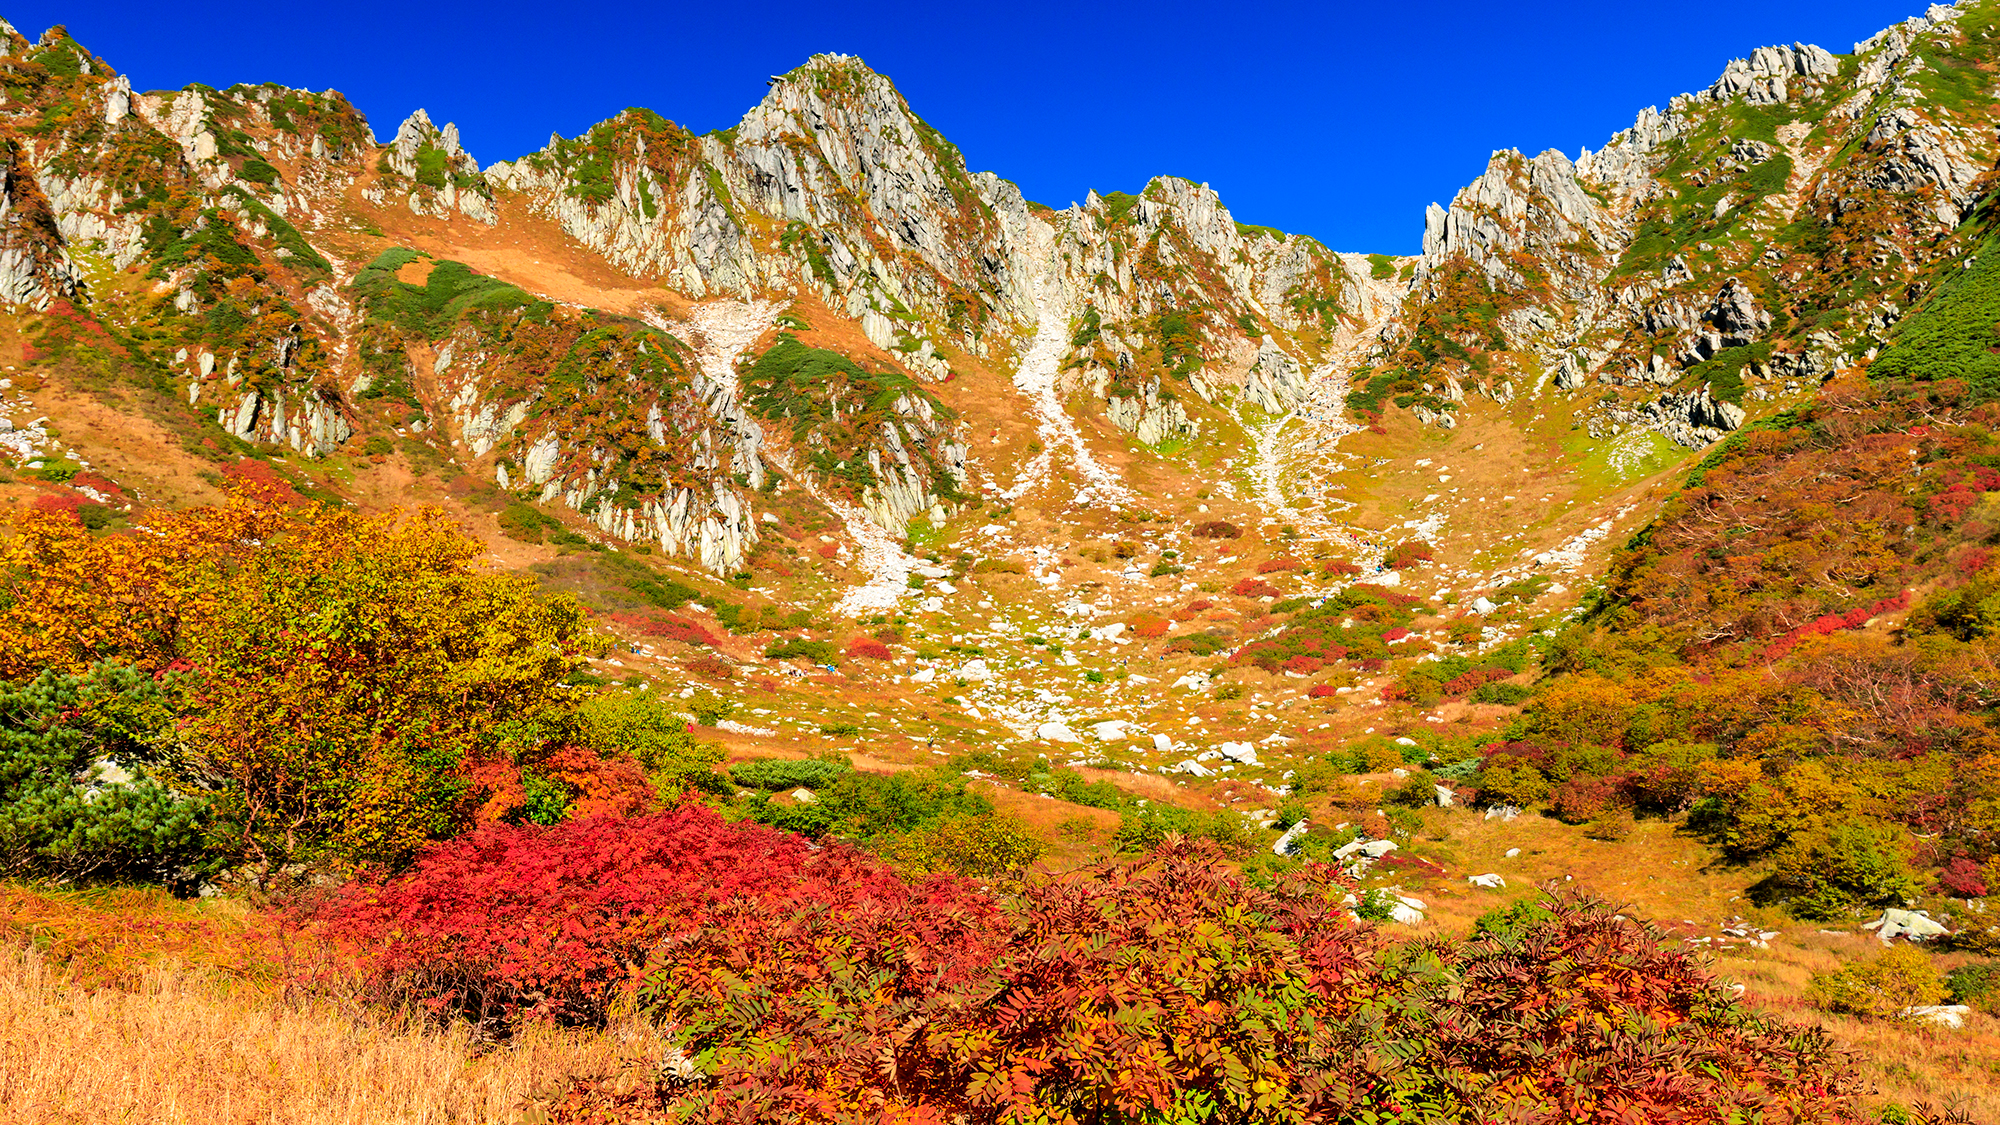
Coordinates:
[1338,119]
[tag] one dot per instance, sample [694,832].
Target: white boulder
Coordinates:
[1912,924]
[1239,752]
[1289,840]
[1938,1015]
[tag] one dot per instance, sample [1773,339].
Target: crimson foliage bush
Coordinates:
[514,920]
[1135,990]
[1585,797]
[1407,554]
[816,986]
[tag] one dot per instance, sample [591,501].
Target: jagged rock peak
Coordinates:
[1762,79]
[828,91]
[35,267]
[1933,16]
[1516,204]
[417,131]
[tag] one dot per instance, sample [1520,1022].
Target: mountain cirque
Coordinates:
[1128,507]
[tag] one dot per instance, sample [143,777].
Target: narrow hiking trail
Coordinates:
[723,331]
[1036,378]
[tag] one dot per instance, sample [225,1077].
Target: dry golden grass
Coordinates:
[1906,1063]
[185,1045]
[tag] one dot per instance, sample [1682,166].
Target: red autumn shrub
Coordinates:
[829,550]
[1107,993]
[1396,633]
[1466,683]
[1407,554]
[1834,622]
[572,781]
[1272,566]
[96,483]
[1322,691]
[1588,1016]
[710,668]
[1963,878]
[513,920]
[867,648]
[1583,798]
[1148,626]
[1254,588]
[1306,665]
[1217,529]
[1338,568]
[841,995]
[66,503]
[665,626]
[64,326]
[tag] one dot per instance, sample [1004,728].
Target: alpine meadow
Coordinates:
[775,626]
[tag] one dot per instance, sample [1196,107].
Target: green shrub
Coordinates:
[1417,793]
[864,806]
[984,846]
[799,648]
[1902,977]
[1976,985]
[647,726]
[518,521]
[1509,923]
[1951,334]
[709,708]
[1827,873]
[430,309]
[789,773]
[1503,693]
[115,823]
[1069,785]
[1376,904]
[1403,822]
[1147,827]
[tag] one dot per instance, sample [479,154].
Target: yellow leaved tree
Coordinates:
[340,678]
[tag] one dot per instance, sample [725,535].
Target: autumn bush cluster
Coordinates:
[1354,626]
[273,685]
[1796,656]
[815,984]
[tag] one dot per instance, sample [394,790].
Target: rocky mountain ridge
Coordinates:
[1712,262]
[1703,246]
